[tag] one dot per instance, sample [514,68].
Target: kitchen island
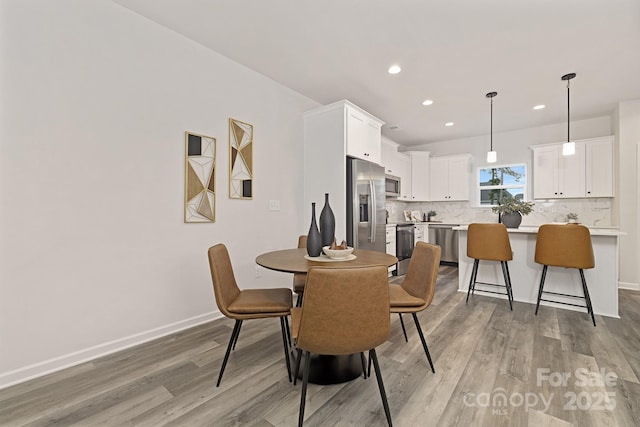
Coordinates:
[525,273]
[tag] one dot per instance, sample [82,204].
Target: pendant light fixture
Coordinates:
[569,147]
[492,156]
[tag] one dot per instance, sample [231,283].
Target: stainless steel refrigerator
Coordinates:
[366,216]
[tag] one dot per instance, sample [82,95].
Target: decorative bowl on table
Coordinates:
[337,253]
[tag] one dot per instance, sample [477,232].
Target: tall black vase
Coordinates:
[327,223]
[314,241]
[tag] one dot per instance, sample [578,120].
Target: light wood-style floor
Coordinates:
[494,367]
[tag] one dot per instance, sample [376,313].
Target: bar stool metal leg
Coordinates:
[404,331]
[472,281]
[544,273]
[507,285]
[587,297]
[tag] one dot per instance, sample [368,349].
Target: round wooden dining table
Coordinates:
[326,369]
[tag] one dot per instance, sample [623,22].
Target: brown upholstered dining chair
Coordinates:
[416,291]
[567,246]
[246,304]
[489,242]
[299,279]
[344,311]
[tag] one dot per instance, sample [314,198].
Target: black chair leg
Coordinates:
[235,341]
[506,283]
[383,395]
[587,297]
[284,343]
[472,281]
[506,267]
[544,274]
[232,340]
[299,300]
[364,365]
[286,323]
[404,331]
[305,381]
[424,343]
[297,369]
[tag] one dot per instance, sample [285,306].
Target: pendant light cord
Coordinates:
[568,112]
[491,137]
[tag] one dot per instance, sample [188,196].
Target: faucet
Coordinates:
[595,222]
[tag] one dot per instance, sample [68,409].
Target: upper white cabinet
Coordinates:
[397,164]
[599,167]
[363,134]
[449,178]
[419,175]
[332,132]
[587,173]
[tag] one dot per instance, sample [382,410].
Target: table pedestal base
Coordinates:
[326,369]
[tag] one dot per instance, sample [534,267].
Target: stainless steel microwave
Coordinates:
[392,186]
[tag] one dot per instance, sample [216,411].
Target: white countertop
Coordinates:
[524,229]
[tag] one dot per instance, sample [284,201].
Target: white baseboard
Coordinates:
[630,286]
[45,367]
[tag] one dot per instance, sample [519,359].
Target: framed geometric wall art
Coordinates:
[199,182]
[240,160]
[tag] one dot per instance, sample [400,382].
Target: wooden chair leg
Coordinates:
[305,381]
[383,395]
[232,340]
[587,297]
[284,343]
[544,273]
[424,342]
[404,331]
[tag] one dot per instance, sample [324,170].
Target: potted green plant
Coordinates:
[511,210]
[430,215]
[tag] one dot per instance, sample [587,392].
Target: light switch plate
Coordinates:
[274,205]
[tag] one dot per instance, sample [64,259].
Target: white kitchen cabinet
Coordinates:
[420,233]
[419,175]
[556,176]
[587,173]
[328,131]
[449,178]
[599,167]
[397,164]
[363,134]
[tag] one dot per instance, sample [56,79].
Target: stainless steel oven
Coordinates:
[404,246]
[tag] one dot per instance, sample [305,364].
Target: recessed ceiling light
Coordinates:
[394,69]
[427,102]
[449,124]
[539,107]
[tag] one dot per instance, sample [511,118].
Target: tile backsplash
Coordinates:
[591,212]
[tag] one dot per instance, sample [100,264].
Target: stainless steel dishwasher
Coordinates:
[446,237]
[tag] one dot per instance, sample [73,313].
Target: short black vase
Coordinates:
[327,223]
[314,241]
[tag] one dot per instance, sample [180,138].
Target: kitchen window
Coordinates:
[502,182]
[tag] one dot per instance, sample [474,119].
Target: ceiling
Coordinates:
[450,51]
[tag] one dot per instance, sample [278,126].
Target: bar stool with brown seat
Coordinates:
[489,242]
[416,291]
[246,304]
[345,311]
[299,279]
[567,246]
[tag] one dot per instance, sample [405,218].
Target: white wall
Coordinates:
[628,138]
[94,254]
